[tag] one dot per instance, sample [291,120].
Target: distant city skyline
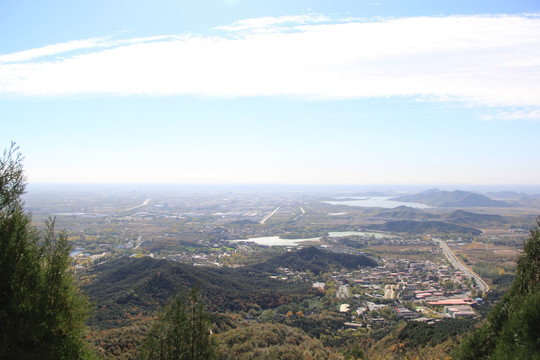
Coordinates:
[238,92]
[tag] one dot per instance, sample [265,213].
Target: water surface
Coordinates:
[278,241]
[380,202]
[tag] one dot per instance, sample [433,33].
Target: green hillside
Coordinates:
[469,219]
[314,260]
[512,328]
[270,341]
[405,213]
[130,287]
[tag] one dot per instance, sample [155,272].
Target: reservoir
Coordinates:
[380,202]
[277,241]
[335,234]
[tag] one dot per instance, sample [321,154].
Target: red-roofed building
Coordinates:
[453,302]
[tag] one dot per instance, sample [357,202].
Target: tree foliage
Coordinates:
[139,286]
[512,329]
[42,313]
[182,332]
[417,334]
[315,260]
[269,342]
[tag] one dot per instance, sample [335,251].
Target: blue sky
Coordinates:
[285,92]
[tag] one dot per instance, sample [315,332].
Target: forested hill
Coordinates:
[459,217]
[130,287]
[405,213]
[424,227]
[314,260]
[466,218]
[127,287]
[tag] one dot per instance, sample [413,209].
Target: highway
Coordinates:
[481,284]
[263,221]
[144,203]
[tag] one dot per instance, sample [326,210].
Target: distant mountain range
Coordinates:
[523,199]
[457,198]
[508,195]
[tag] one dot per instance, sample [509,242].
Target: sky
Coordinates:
[272,92]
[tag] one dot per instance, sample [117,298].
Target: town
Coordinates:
[430,266]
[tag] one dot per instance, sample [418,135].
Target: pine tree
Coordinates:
[42,313]
[512,328]
[181,332]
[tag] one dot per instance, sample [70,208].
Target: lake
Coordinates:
[380,202]
[334,234]
[278,241]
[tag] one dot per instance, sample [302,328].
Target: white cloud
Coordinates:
[51,50]
[273,23]
[487,60]
[73,46]
[530,114]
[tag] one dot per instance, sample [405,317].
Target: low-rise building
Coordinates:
[459,311]
[405,313]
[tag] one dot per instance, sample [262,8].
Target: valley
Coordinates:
[341,273]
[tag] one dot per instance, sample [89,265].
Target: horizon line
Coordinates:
[374,186]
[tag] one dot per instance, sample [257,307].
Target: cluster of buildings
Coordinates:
[411,289]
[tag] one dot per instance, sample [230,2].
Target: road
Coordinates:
[144,203]
[263,221]
[481,284]
[139,239]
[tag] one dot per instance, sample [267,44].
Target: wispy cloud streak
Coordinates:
[531,114]
[484,60]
